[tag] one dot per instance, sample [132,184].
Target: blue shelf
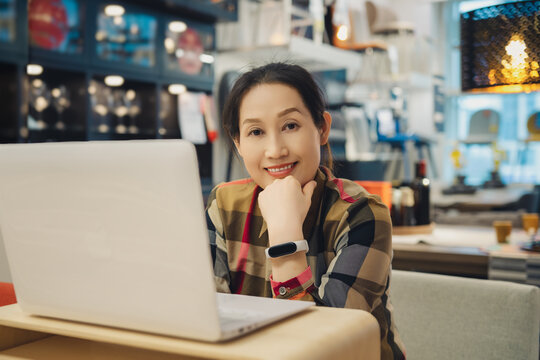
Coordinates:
[202,9]
[75,63]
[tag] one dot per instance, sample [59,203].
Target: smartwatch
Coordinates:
[287,248]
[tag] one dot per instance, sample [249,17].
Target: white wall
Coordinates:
[5,275]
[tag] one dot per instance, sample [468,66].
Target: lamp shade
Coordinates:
[500,48]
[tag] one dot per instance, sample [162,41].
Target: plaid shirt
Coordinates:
[349,257]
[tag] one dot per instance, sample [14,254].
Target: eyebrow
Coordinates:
[288,111]
[249,121]
[280,114]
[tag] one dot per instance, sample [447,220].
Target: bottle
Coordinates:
[421,189]
[407,206]
[395,209]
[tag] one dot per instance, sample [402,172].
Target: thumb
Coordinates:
[309,188]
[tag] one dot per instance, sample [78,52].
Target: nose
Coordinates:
[275,147]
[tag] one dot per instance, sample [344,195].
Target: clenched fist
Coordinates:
[284,205]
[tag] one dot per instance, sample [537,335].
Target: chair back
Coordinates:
[448,317]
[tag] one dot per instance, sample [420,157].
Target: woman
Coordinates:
[276,118]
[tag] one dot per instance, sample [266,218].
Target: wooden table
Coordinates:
[446,260]
[317,333]
[450,250]
[483,199]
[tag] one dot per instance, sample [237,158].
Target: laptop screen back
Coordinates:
[109,232]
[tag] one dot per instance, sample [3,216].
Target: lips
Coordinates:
[281,170]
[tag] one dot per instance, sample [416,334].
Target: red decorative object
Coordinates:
[47,23]
[7,294]
[191,45]
[212,135]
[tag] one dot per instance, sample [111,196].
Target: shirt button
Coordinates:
[282,290]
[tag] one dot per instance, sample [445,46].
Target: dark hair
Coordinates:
[291,75]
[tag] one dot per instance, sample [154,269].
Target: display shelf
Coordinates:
[189,54]
[77,45]
[203,9]
[320,57]
[93,64]
[130,41]
[168,115]
[15,46]
[315,57]
[12,57]
[72,134]
[58,29]
[456,93]
[56,105]
[123,112]
[411,82]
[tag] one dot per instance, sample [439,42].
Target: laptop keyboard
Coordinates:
[231,316]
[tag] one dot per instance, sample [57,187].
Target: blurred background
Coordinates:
[428,97]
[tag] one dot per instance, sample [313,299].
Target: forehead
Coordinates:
[270,99]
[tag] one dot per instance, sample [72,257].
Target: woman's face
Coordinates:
[278,136]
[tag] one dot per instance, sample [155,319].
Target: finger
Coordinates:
[272,183]
[292,179]
[309,188]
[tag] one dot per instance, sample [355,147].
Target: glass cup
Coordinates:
[503,228]
[530,223]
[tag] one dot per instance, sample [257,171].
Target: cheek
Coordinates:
[314,145]
[316,151]
[250,154]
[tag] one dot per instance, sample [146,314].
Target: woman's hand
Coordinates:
[284,205]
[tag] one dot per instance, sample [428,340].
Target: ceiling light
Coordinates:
[177,26]
[177,89]
[205,58]
[34,69]
[114,80]
[114,10]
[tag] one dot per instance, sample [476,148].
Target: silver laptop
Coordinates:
[114,233]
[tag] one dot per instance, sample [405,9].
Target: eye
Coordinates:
[255,132]
[291,126]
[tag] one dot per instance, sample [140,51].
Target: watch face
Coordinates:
[282,249]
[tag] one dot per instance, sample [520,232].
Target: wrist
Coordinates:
[288,267]
[299,258]
[282,235]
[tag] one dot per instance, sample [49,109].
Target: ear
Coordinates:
[237,146]
[325,129]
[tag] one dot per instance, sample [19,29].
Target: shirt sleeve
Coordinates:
[357,276]
[217,244]
[295,288]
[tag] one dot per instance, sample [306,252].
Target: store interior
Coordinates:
[435,105]
[418,90]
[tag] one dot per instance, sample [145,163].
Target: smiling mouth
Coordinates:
[280,169]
